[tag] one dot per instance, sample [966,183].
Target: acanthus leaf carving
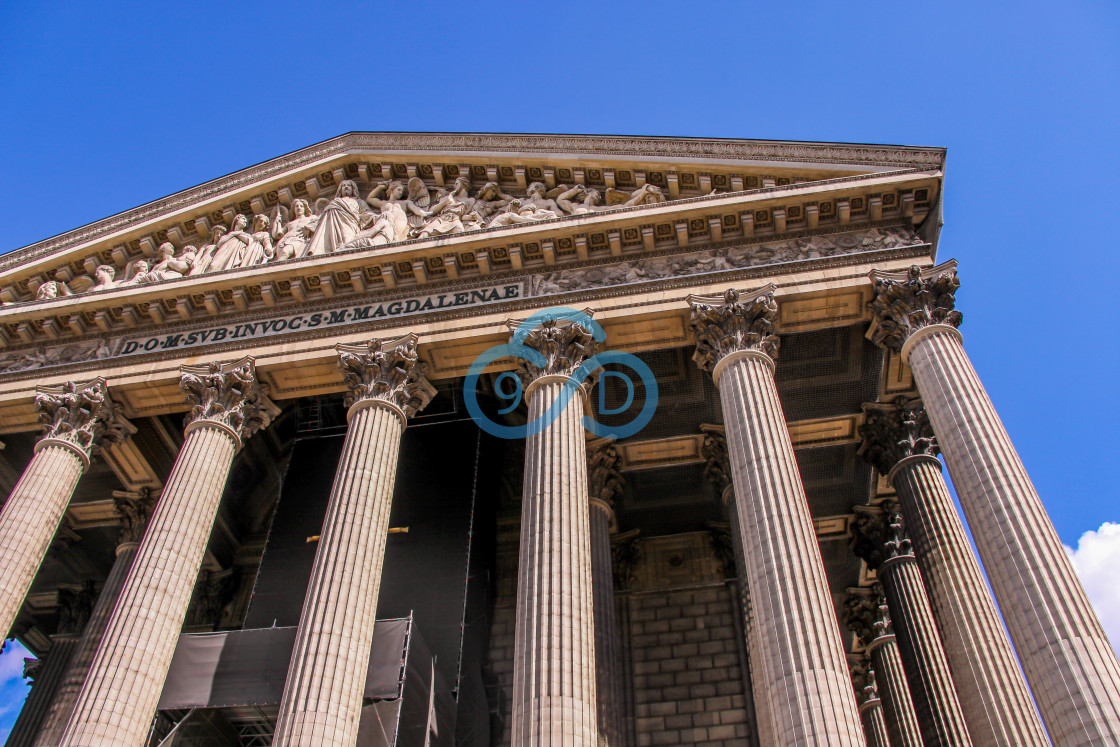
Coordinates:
[907,301]
[80,414]
[228,394]
[865,614]
[717,467]
[604,474]
[734,322]
[894,431]
[387,370]
[626,552]
[75,607]
[565,345]
[134,510]
[879,534]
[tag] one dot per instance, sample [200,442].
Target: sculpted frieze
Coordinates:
[723,259]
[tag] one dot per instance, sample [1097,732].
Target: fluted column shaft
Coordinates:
[992,692]
[118,699]
[30,518]
[554,681]
[323,695]
[810,693]
[760,679]
[43,691]
[1073,671]
[608,654]
[63,704]
[874,724]
[901,719]
[927,670]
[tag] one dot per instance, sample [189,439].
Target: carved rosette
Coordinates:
[387,371]
[736,321]
[908,301]
[134,510]
[565,345]
[82,416]
[604,477]
[879,535]
[893,432]
[717,466]
[229,395]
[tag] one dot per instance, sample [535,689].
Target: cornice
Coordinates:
[448,144]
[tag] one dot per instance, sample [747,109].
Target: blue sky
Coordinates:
[107,108]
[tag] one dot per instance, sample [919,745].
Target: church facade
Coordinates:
[618,440]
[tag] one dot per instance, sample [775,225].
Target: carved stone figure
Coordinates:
[647,194]
[520,212]
[413,208]
[292,234]
[588,199]
[341,220]
[105,276]
[135,271]
[449,212]
[169,266]
[51,289]
[489,200]
[259,250]
[384,229]
[205,256]
[231,248]
[535,197]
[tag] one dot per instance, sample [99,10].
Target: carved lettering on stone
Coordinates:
[908,301]
[390,371]
[228,393]
[733,322]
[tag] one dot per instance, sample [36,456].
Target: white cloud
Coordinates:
[1097,559]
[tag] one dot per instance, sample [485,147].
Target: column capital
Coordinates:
[894,431]
[134,508]
[75,607]
[908,301]
[80,416]
[879,534]
[865,614]
[229,396]
[863,680]
[723,545]
[626,551]
[386,371]
[604,478]
[737,321]
[565,344]
[717,466]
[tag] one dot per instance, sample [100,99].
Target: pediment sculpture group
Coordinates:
[393,211]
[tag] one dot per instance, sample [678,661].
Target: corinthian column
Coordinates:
[554,703]
[1069,663]
[119,697]
[718,471]
[604,485]
[809,688]
[322,699]
[878,537]
[898,440]
[870,706]
[133,510]
[866,615]
[75,418]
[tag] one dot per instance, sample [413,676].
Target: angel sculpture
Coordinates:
[449,210]
[647,194]
[205,256]
[231,249]
[169,266]
[340,221]
[259,249]
[414,207]
[566,199]
[292,233]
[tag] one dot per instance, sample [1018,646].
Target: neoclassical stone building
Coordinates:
[625,441]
